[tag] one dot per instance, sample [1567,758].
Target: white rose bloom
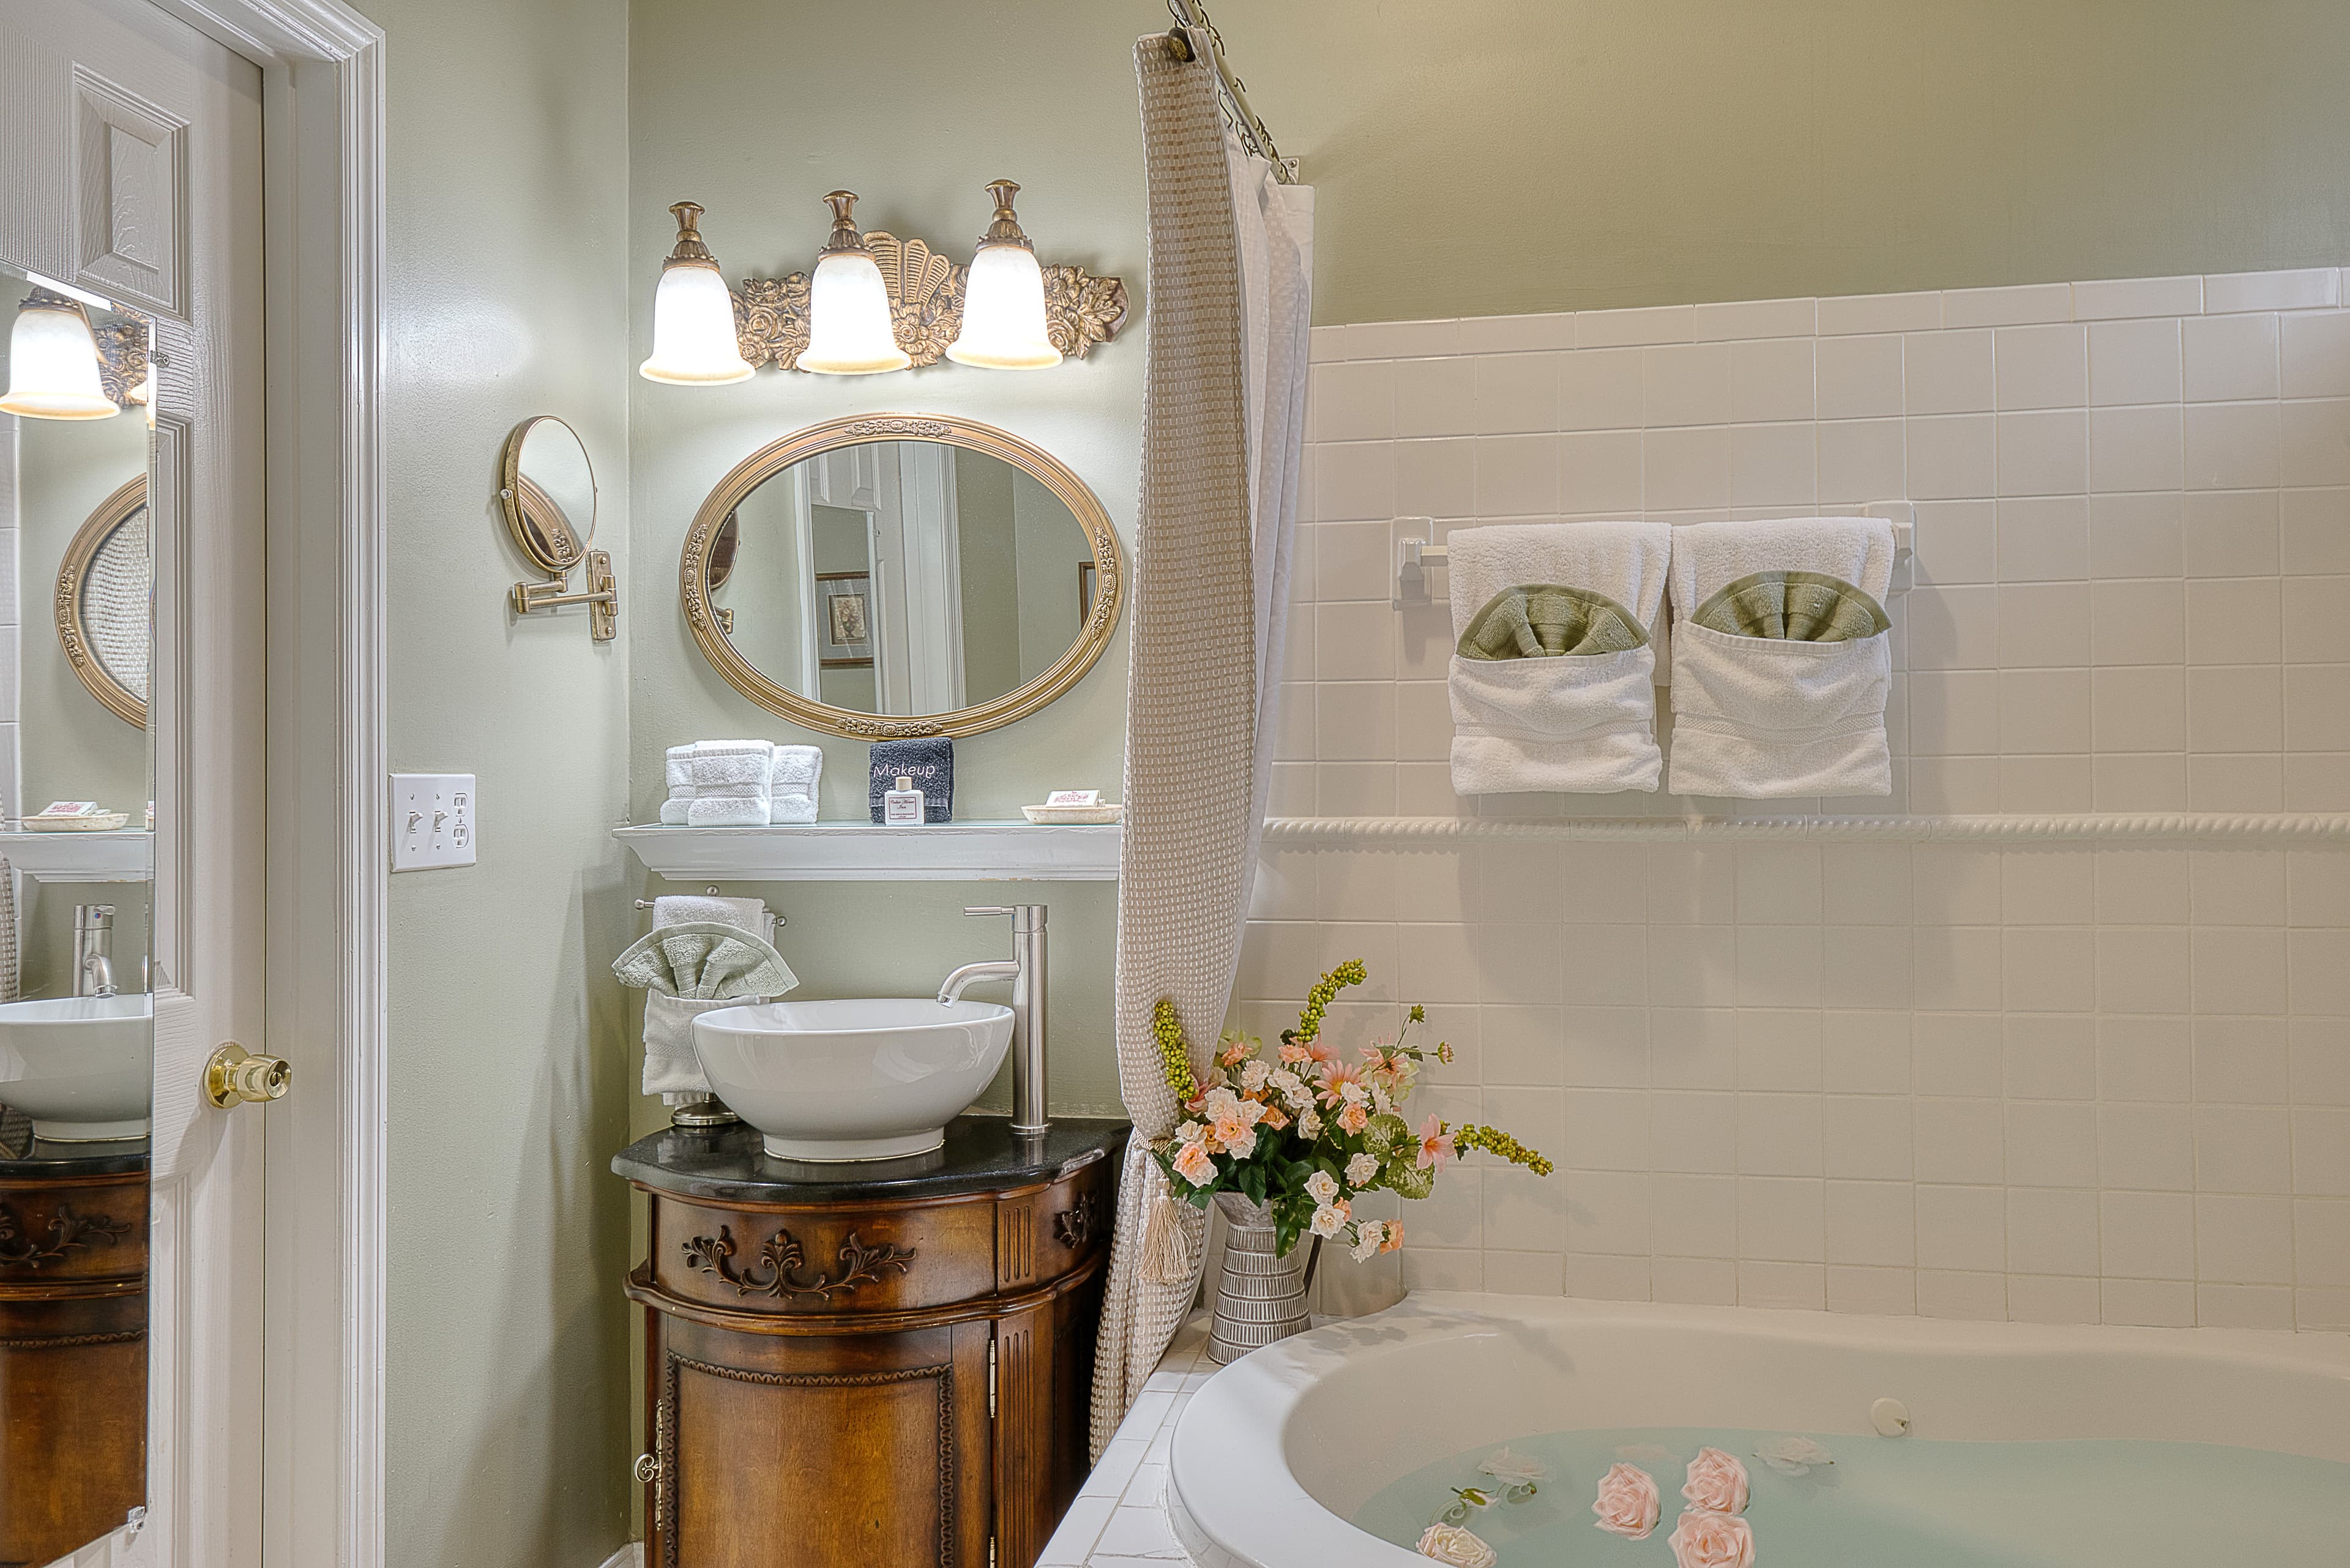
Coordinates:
[1189,1132]
[1361,1169]
[1368,1237]
[1514,1469]
[1353,1094]
[1309,1123]
[1456,1547]
[1244,1146]
[1329,1219]
[1221,1104]
[1254,1075]
[1321,1187]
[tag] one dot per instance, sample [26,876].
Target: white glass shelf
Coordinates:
[125,854]
[862,852]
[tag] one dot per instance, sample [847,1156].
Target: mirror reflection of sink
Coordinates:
[859,1078]
[82,1067]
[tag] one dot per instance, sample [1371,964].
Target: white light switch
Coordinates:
[431,821]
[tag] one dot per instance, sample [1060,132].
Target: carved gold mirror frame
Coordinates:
[776,457]
[73,582]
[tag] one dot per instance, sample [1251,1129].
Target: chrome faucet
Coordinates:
[1025,970]
[93,943]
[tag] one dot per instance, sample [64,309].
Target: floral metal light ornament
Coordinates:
[850,331]
[1003,302]
[693,314]
[53,372]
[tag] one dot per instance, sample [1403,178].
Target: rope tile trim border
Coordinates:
[2252,829]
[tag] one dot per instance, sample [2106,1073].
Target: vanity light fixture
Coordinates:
[693,314]
[849,330]
[1004,300]
[53,362]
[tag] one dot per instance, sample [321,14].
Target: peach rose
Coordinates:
[1455,1547]
[1628,1504]
[1706,1540]
[1192,1164]
[1716,1484]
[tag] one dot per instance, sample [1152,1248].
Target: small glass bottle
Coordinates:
[902,806]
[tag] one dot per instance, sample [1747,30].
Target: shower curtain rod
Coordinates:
[1243,118]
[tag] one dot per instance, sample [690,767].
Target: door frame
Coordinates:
[323,105]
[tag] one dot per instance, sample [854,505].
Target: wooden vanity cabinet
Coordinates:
[887,1366]
[73,1348]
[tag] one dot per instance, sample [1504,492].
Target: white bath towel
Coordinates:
[1526,715]
[678,766]
[670,1067]
[1763,715]
[793,784]
[717,763]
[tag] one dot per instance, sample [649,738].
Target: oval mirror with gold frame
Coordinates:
[899,574]
[105,603]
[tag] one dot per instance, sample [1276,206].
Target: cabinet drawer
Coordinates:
[825,1261]
[1041,1235]
[66,1231]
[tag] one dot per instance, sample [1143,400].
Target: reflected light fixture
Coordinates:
[1003,302]
[693,316]
[848,305]
[53,362]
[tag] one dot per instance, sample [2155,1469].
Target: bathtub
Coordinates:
[1274,1454]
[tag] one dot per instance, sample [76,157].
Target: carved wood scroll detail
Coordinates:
[1074,1227]
[21,1245]
[782,1261]
[949,1479]
[926,294]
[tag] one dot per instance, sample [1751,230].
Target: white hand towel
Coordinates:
[1765,717]
[671,1065]
[748,811]
[673,810]
[793,784]
[678,764]
[1582,722]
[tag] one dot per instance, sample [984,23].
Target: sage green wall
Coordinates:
[1533,155]
[510,1431]
[916,106]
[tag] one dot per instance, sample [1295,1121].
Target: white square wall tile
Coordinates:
[1953,457]
[2137,448]
[1859,378]
[2233,446]
[2044,452]
[1602,388]
[1774,465]
[1772,379]
[2042,367]
[2316,354]
[2134,362]
[2228,358]
[1950,372]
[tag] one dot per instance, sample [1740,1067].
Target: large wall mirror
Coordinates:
[76,1024]
[901,576]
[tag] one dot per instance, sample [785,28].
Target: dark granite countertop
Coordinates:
[729,1165]
[46,1160]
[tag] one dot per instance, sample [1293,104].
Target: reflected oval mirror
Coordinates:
[549,493]
[105,602]
[901,576]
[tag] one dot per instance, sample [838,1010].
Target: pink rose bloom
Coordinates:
[1716,1484]
[1704,1540]
[1292,1054]
[1192,1164]
[1628,1504]
[1354,1119]
[1435,1144]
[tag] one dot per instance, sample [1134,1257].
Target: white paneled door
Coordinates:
[130,167]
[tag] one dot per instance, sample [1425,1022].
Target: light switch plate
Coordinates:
[431,821]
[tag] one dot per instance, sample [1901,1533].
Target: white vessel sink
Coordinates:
[82,1067]
[859,1078]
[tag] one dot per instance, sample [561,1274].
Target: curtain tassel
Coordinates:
[1166,1259]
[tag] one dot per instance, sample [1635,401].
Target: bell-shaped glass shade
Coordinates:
[1004,313]
[693,329]
[53,368]
[848,318]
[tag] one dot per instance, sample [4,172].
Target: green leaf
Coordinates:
[1384,1134]
[1408,1179]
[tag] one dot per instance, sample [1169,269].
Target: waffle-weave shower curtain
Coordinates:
[1231,268]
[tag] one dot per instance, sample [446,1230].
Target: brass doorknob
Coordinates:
[236,1076]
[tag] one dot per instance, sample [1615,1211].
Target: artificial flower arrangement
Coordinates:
[1305,1133]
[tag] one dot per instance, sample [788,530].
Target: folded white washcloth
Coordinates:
[1781,656]
[716,763]
[793,784]
[744,811]
[1553,666]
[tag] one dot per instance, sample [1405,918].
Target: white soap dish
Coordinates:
[1072,814]
[96,822]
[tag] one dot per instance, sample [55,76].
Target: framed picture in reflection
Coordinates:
[847,599]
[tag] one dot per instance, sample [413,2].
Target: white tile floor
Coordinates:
[1119,1518]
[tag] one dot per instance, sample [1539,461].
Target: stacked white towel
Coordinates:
[1582,722]
[741,783]
[1766,717]
[671,1069]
